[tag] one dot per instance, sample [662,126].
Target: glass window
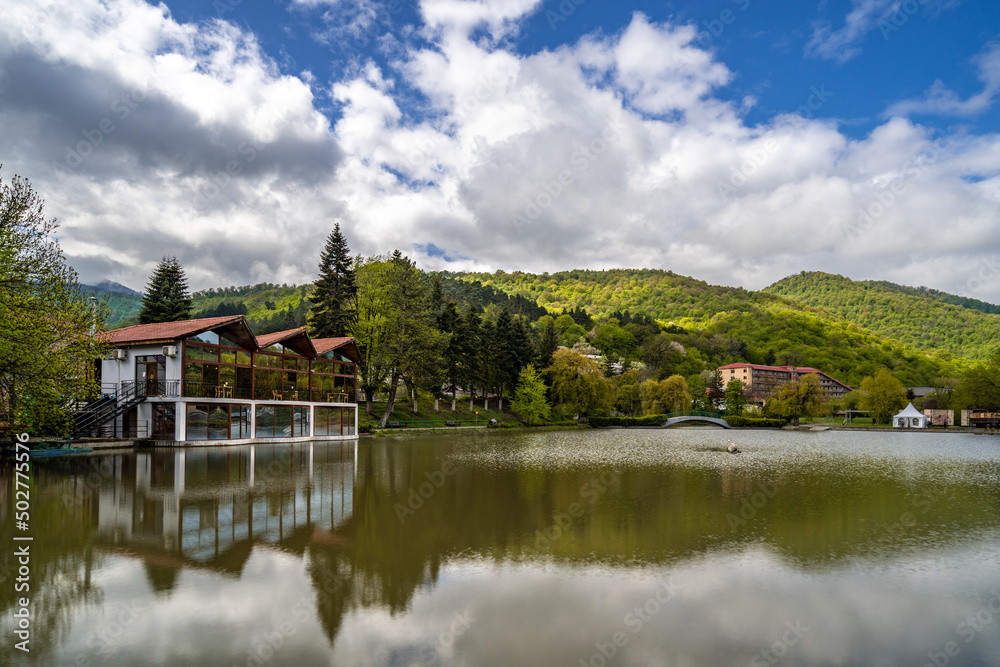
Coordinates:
[282,421]
[227,375]
[277,347]
[243,358]
[348,421]
[239,419]
[226,340]
[192,351]
[228,356]
[218,422]
[197,422]
[244,380]
[265,421]
[209,337]
[211,375]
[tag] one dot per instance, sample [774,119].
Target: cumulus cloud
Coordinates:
[939,99]
[613,150]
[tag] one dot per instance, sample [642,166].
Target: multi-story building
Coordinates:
[762,381]
[212,381]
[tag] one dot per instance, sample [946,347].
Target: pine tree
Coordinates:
[548,343]
[166,298]
[333,307]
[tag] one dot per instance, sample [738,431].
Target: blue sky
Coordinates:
[736,141]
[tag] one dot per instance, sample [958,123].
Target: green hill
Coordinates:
[924,318]
[732,324]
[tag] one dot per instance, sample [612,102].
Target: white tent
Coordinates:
[910,417]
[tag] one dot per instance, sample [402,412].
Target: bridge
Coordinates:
[694,416]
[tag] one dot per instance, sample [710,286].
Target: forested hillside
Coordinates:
[924,318]
[849,329]
[732,324]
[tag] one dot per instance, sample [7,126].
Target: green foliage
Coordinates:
[802,397]
[739,421]
[334,291]
[717,325]
[529,398]
[921,317]
[647,421]
[735,396]
[578,385]
[46,321]
[882,396]
[669,395]
[166,298]
[980,387]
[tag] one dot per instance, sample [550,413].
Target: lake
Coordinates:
[575,548]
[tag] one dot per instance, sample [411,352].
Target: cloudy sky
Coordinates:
[737,141]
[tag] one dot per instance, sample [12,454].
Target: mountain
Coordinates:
[732,324]
[924,318]
[112,286]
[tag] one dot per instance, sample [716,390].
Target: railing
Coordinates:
[695,413]
[149,389]
[285,393]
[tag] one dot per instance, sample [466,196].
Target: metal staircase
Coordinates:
[95,418]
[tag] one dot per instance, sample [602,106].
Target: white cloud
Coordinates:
[841,44]
[939,99]
[612,151]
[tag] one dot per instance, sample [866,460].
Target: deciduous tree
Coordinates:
[578,384]
[529,397]
[882,396]
[46,322]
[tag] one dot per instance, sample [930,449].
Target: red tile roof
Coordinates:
[278,336]
[783,369]
[165,331]
[326,344]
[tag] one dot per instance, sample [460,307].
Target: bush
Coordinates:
[658,420]
[651,420]
[755,422]
[365,428]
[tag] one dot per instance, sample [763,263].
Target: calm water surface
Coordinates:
[644,547]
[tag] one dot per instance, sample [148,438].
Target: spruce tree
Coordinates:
[332,312]
[166,298]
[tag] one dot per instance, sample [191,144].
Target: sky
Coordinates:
[736,141]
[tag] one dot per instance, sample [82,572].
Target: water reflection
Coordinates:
[564,548]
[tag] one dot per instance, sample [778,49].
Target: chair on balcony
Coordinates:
[293,395]
[224,391]
[336,397]
[276,395]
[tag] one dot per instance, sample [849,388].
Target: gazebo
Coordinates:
[910,417]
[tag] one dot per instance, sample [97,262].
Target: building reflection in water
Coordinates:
[206,507]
